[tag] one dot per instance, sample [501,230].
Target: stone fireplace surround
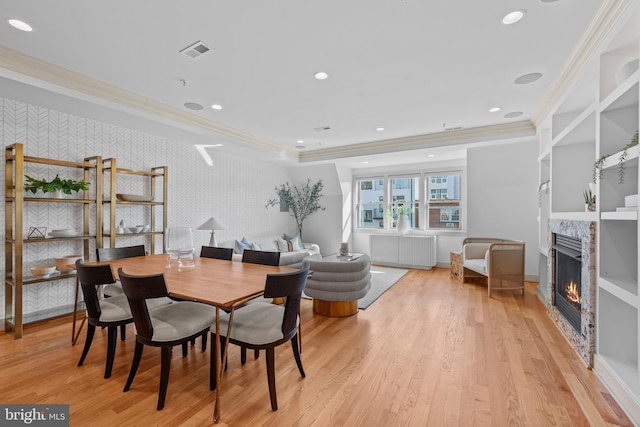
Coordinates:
[584,341]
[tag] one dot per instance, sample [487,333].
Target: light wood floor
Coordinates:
[430,352]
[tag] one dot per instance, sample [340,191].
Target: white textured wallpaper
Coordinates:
[234,189]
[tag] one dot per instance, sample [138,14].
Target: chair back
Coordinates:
[216,252]
[289,286]
[138,289]
[108,254]
[91,276]
[261,257]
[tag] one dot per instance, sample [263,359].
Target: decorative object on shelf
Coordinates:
[626,71]
[213,225]
[302,201]
[56,184]
[120,228]
[344,248]
[589,201]
[65,232]
[598,165]
[543,186]
[43,271]
[402,219]
[67,264]
[623,156]
[133,198]
[134,230]
[37,233]
[145,228]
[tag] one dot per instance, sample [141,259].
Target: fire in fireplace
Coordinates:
[567,252]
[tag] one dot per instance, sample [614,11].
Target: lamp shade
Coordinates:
[211,224]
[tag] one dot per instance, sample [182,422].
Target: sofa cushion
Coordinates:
[283,245]
[241,245]
[479,265]
[296,243]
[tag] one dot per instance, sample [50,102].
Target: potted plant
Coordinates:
[589,201]
[56,185]
[299,201]
[402,221]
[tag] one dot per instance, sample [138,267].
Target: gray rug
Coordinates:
[382,278]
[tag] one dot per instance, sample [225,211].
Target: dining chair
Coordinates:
[216,252]
[266,326]
[109,254]
[165,326]
[106,312]
[264,258]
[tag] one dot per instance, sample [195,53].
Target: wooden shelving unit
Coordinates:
[15,242]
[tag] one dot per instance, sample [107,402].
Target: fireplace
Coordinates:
[567,281]
[569,289]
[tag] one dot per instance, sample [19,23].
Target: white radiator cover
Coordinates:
[404,251]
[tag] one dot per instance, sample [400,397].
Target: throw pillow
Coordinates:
[283,245]
[256,246]
[296,242]
[241,245]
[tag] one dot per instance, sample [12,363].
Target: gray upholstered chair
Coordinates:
[336,286]
[109,254]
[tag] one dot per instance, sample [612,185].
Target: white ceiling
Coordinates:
[406,65]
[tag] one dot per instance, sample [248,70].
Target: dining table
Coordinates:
[223,284]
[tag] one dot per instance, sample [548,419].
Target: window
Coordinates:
[405,191]
[444,201]
[371,203]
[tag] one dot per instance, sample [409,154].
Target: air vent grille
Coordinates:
[196,50]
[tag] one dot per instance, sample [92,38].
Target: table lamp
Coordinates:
[213,225]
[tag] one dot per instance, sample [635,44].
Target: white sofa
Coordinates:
[293,259]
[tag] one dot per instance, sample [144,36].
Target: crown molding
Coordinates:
[35,68]
[604,20]
[479,134]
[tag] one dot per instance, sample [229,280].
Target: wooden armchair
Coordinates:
[501,261]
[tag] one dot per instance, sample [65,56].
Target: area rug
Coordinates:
[382,279]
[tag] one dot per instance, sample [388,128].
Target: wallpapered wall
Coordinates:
[234,189]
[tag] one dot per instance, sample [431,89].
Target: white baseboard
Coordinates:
[619,390]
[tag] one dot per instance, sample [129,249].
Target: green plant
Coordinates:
[622,160]
[300,201]
[56,184]
[589,199]
[598,165]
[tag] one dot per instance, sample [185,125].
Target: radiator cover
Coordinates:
[404,251]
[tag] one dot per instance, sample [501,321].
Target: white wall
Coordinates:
[502,195]
[234,189]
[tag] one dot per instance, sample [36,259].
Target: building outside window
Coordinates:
[370,203]
[405,191]
[444,202]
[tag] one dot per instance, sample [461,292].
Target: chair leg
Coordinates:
[185,349]
[256,353]
[296,354]
[165,366]
[243,355]
[271,377]
[137,355]
[91,329]
[193,341]
[123,332]
[300,336]
[204,341]
[222,347]
[112,338]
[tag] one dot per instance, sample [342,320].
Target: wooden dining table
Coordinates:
[223,284]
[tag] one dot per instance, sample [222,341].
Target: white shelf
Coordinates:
[580,130]
[613,159]
[620,216]
[620,290]
[575,216]
[623,96]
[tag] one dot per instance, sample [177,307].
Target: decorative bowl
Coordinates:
[137,229]
[145,228]
[67,263]
[133,197]
[65,232]
[43,271]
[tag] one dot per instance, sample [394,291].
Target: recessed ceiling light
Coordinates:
[300,141]
[301,147]
[431,155]
[193,106]
[321,75]
[548,1]
[513,114]
[20,25]
[365,162]
[216,107]
[527,78]
[379,129]
[513,17]
[494,109]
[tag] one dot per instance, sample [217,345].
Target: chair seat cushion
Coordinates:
[153,303]
[258,323]
[181,319]
[114,309]
[113,289]
[479,265]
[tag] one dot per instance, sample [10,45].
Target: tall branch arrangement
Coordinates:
[301,201]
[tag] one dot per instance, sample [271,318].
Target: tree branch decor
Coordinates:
[301,201]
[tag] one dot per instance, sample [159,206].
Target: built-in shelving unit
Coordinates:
[152,212]
[16,206]
[597,117]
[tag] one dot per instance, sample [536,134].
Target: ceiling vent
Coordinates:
[195,50]
[452,126]
[322,128]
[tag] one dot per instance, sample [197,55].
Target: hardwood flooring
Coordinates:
[430,352]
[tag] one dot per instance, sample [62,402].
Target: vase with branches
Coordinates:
[301,201]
